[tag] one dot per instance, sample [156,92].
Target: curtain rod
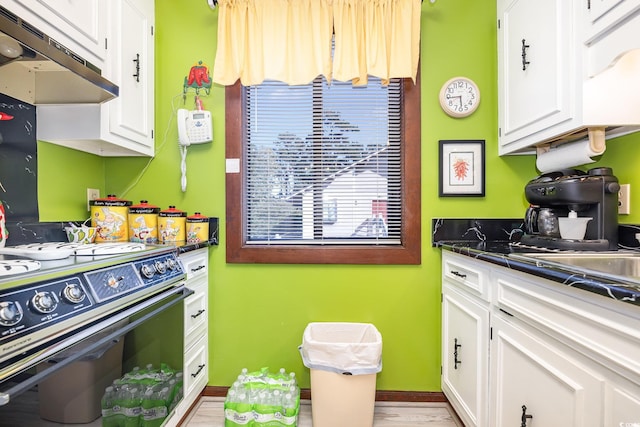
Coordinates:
[214,3]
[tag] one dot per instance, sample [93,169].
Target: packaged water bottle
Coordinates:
[267,410]
[177,395]
[107,403]
[171,399]
[231,401]
[121,399]
[292,379]
[237,386]
[290,410]
[295,391]
[241,415]
[131,406]
[154,407]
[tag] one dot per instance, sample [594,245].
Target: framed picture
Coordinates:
[461,167]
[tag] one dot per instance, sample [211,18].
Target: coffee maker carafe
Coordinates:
[553,195]
[541,221]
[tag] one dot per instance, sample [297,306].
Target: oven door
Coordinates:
[65,381]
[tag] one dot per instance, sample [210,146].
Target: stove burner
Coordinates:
[18,266]
[82,249]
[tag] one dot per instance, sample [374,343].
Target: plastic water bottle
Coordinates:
[107,404]
[290,406]
[171,399]
[177,396]
[154,407]
[131,406]
[241,415]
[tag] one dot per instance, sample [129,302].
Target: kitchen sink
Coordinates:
[626,264]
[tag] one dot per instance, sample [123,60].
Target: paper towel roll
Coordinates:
[566,156]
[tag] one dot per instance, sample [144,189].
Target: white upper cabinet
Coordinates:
[537,64]
[553,61]
[131,115]
[79,25]
[612,28]
[124,125]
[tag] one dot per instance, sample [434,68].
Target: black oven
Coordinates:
[72,327]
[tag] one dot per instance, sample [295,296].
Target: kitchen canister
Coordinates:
[143,223]
[109,216]
[197,228]
[171,225]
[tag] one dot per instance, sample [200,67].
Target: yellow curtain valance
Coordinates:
[290,40]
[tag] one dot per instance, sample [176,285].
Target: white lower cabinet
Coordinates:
[465,351]
[535,384]
[196,339]
[532,352]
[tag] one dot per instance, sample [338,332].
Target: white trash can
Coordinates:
[344,359]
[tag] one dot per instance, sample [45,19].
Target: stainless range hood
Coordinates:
[36,69]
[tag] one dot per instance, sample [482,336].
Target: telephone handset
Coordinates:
[194,127]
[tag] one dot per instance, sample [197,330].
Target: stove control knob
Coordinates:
[171,264]
[10,313]
[161,267]
[147,270]
[73,293]
[44,302]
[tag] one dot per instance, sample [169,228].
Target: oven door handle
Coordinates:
[181,291]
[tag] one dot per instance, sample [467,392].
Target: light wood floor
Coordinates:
[209,412]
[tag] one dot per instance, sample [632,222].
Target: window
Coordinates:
[328,173]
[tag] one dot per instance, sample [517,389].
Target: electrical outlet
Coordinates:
[624,199]
[92,194]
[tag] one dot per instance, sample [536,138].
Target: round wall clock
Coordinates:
[459,97]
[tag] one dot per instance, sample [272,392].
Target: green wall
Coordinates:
[258,312]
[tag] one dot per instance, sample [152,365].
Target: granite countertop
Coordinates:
[497,241]
[37,232]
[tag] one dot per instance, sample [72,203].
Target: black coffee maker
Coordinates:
[591,194]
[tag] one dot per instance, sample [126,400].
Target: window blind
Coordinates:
[322,163]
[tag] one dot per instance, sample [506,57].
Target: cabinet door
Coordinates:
[532,378]
[80,25]
[131,114]
[623,403]
[465,349]
[536,67]
[612,28]
[601,15]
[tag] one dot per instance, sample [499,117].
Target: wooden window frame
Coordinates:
[408,252]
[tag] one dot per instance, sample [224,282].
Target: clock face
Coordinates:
[459,97]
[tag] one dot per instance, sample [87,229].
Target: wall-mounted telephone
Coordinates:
[194,127]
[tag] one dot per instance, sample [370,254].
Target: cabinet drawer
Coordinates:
[196,368]
[195,314]
[467,273]
[606,330]
[195,263]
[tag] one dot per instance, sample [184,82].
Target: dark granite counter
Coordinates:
[497,241]
[38,232]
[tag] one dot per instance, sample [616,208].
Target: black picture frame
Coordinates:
[461,168]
